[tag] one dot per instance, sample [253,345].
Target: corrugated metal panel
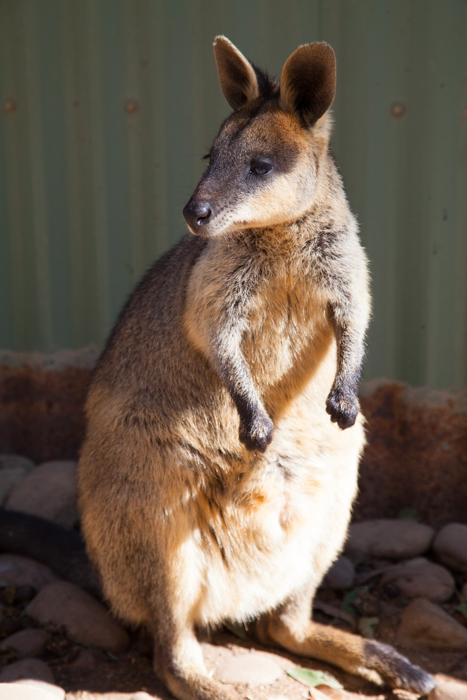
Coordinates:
[109,104]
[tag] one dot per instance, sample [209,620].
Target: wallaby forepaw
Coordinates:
[257,434]
[396,670]
[343,407]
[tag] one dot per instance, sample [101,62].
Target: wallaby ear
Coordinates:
[236,75]
[308,81]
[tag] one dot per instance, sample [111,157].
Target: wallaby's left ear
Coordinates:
[308,81]
[236,75]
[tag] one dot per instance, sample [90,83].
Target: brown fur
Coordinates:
[213,484]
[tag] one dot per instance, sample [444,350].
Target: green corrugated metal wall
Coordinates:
[109,104]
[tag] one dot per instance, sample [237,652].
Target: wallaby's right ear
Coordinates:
[236,75]
[308,82]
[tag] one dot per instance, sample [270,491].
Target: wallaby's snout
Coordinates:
[197,213]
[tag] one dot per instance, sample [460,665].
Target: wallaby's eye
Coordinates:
[260,167]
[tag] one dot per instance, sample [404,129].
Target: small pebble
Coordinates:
[13,468]
[48,491]
[388,539]
[253,669]
[341,575]
[26,669]
[27,643]
[84,618]
[420,578]
[22,571]
[451,546]
[424,624]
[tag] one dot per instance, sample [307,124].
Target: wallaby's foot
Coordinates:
[256,434]
[376,662]
[343,407]
[396,670]
[190,685]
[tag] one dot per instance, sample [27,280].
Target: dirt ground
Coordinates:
[82,672]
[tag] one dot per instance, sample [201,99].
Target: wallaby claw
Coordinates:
[343,407]
[257,434]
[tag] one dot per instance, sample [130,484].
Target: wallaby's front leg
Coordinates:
[345,280]
[342,403]
[256,428]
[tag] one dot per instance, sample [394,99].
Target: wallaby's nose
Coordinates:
[197,214]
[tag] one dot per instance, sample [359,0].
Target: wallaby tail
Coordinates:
[60,549]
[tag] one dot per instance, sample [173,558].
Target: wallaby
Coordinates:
[213,483]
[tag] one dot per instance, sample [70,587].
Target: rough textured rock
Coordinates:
[21,571]
[451,546]
[341,575]
[27,643]
[424,624]
[48,491]
[388,539]
[85,619]
[416,454]
[421,578]
[12,469]
[30,690]
[448,688]
[26,668]
[254,669]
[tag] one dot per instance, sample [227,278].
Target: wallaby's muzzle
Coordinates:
[197,214]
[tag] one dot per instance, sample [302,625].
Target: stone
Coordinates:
[85,619]
[30,690]
[27,643]
[448,688]
[420,578]
[451,546]
[424,624]
[48,491]
[54,692]
[90,658]
[12,469]
[26,668]
[341,575]
[253,669]
[388,539]
[17,571]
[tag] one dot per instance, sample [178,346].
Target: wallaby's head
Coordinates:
[265,160]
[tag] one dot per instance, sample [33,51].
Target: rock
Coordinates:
[90,658]
[48,491]
[424,624]
[341,575]
[12,469]
[31,690]
[85,619]
[26,668]
[254,669]
[451,546]
[464,592]
[388,539]
[420,578]
[27,643]
[54,692]
[21,571]
[448,688]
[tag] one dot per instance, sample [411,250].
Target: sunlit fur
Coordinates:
[220,462]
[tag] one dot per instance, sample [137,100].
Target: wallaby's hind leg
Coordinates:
[180,665]
[291,628]
[178,662]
